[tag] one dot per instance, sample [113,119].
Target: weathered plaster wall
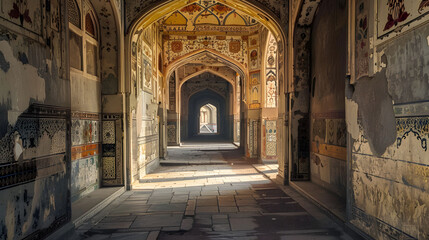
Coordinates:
[389,157]
[300,105]
[34,120]
[327,117]
[85,93]
[270,95]
[146,96]
[86,99]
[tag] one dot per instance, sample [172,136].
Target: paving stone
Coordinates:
[158,220]
[209,193]
[206,209]
[129,235]
[220,221]
[119,219]
[244,214]
[205,222]
[163,190]
[170,229]
[247,202]
[112,225]
[227,192]
[129,209]
[187,224]
[208,202]
[159,201]
[209,188]
[142,198]
[228,209]
[248,208]
[194,194]
[179,199]
[181,192]
[175,207]
[153,235]
[99,237]
[189,213]
[221,227]
[242,224]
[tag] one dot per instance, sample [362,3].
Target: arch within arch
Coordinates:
[209,118]
[201,98]
[151,12]
[206,71]
[238,67]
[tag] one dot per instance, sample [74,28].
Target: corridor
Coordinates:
[214,119]
[217,201]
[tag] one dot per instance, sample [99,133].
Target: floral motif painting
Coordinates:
[233,47]
[254,59]
[24,13]
[395,14]
[423,5]
[362,42]
[271,73]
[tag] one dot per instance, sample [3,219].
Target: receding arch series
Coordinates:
[247,117]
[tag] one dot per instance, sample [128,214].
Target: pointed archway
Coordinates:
[147,15]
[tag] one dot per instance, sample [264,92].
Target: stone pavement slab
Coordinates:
[228,201]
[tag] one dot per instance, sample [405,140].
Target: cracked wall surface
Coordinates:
[35,113]
[386,117]
[387,121]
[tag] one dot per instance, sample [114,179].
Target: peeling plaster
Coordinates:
[4,65]
[20,92]
[376,108]
[351,118]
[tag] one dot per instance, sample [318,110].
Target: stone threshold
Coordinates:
[87,207]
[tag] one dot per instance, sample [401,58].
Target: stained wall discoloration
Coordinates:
[4,64]
[35,102]
[17,92]
[146,100]
[408,66]
[376,109]
[389,162]
[327,106]
[386,117]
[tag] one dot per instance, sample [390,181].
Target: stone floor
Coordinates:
[224,201]
[203,150]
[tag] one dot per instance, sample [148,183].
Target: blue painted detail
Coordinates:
[4,64]
[22,57]
[418,126]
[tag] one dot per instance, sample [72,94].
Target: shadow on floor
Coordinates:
[204,150]
[209,202]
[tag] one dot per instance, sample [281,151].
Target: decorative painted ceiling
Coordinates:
[208,16]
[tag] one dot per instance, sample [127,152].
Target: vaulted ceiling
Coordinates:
[208,16]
